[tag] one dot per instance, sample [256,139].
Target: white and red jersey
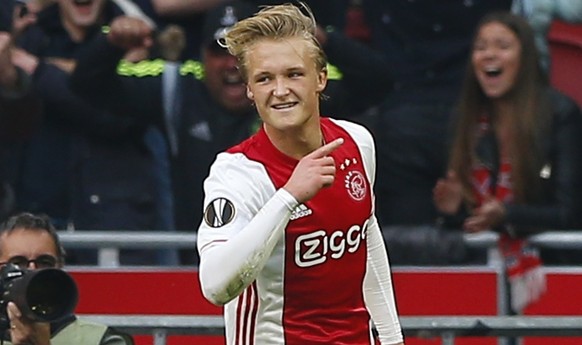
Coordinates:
[291,273]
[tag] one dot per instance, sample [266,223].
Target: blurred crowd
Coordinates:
[111,112]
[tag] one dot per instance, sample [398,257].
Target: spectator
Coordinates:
[19,117]
[425,44]
[292,206]
[85,167]
[203,117]
[31,242]
[541,13]
[514,160]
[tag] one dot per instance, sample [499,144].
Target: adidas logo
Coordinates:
[300,212]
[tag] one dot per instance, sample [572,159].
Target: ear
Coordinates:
[250,94]
[322,80]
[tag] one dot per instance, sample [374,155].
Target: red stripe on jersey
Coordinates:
[246,315]
[253,318]
[248,306]
[237,327]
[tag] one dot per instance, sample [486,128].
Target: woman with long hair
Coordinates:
[515,162]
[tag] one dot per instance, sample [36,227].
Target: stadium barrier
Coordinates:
[438,296]
[109,242]
[447,328]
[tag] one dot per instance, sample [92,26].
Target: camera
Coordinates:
[44,295]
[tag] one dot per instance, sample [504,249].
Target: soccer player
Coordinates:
[289,243]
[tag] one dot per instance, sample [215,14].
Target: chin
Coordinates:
[85,22]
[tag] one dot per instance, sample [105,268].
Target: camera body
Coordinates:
[44,295]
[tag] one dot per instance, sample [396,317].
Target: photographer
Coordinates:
[31,242]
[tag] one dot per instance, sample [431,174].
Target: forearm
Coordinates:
[227,268]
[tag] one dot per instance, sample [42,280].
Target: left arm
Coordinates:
[561,176]
[378,290]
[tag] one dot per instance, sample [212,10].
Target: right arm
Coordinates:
[245,217]
[233,250]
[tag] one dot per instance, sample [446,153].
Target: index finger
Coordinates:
[327,148]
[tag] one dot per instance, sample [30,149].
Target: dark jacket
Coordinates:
[204,128]
[560,172]
[20,117]
[85,165]
[560,206]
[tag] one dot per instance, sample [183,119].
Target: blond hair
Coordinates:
[277,23]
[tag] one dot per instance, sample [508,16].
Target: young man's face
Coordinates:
[284,83]
[25,244]
[224,81]
[81,13]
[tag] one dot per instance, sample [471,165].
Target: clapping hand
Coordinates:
[487,216]
[448,194]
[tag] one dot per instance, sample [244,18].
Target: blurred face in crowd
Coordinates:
[223,79]
[81,13]
[496,59]
[284,83]
[32,249]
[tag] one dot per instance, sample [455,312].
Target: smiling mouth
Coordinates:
[82,2]
[282,106]
[493,71]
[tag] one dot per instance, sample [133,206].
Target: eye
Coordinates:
[479,46]
[46,261]
[19,261]
[262,79]
[295,74]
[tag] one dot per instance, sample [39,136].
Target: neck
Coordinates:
[77,33]
[296,143]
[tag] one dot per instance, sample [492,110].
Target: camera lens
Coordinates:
[50,294]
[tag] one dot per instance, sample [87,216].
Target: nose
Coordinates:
[490,52]
[32,265]
[281,88]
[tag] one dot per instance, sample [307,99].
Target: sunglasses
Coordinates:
[42,261]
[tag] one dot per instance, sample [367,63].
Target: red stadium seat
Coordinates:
[565,42]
